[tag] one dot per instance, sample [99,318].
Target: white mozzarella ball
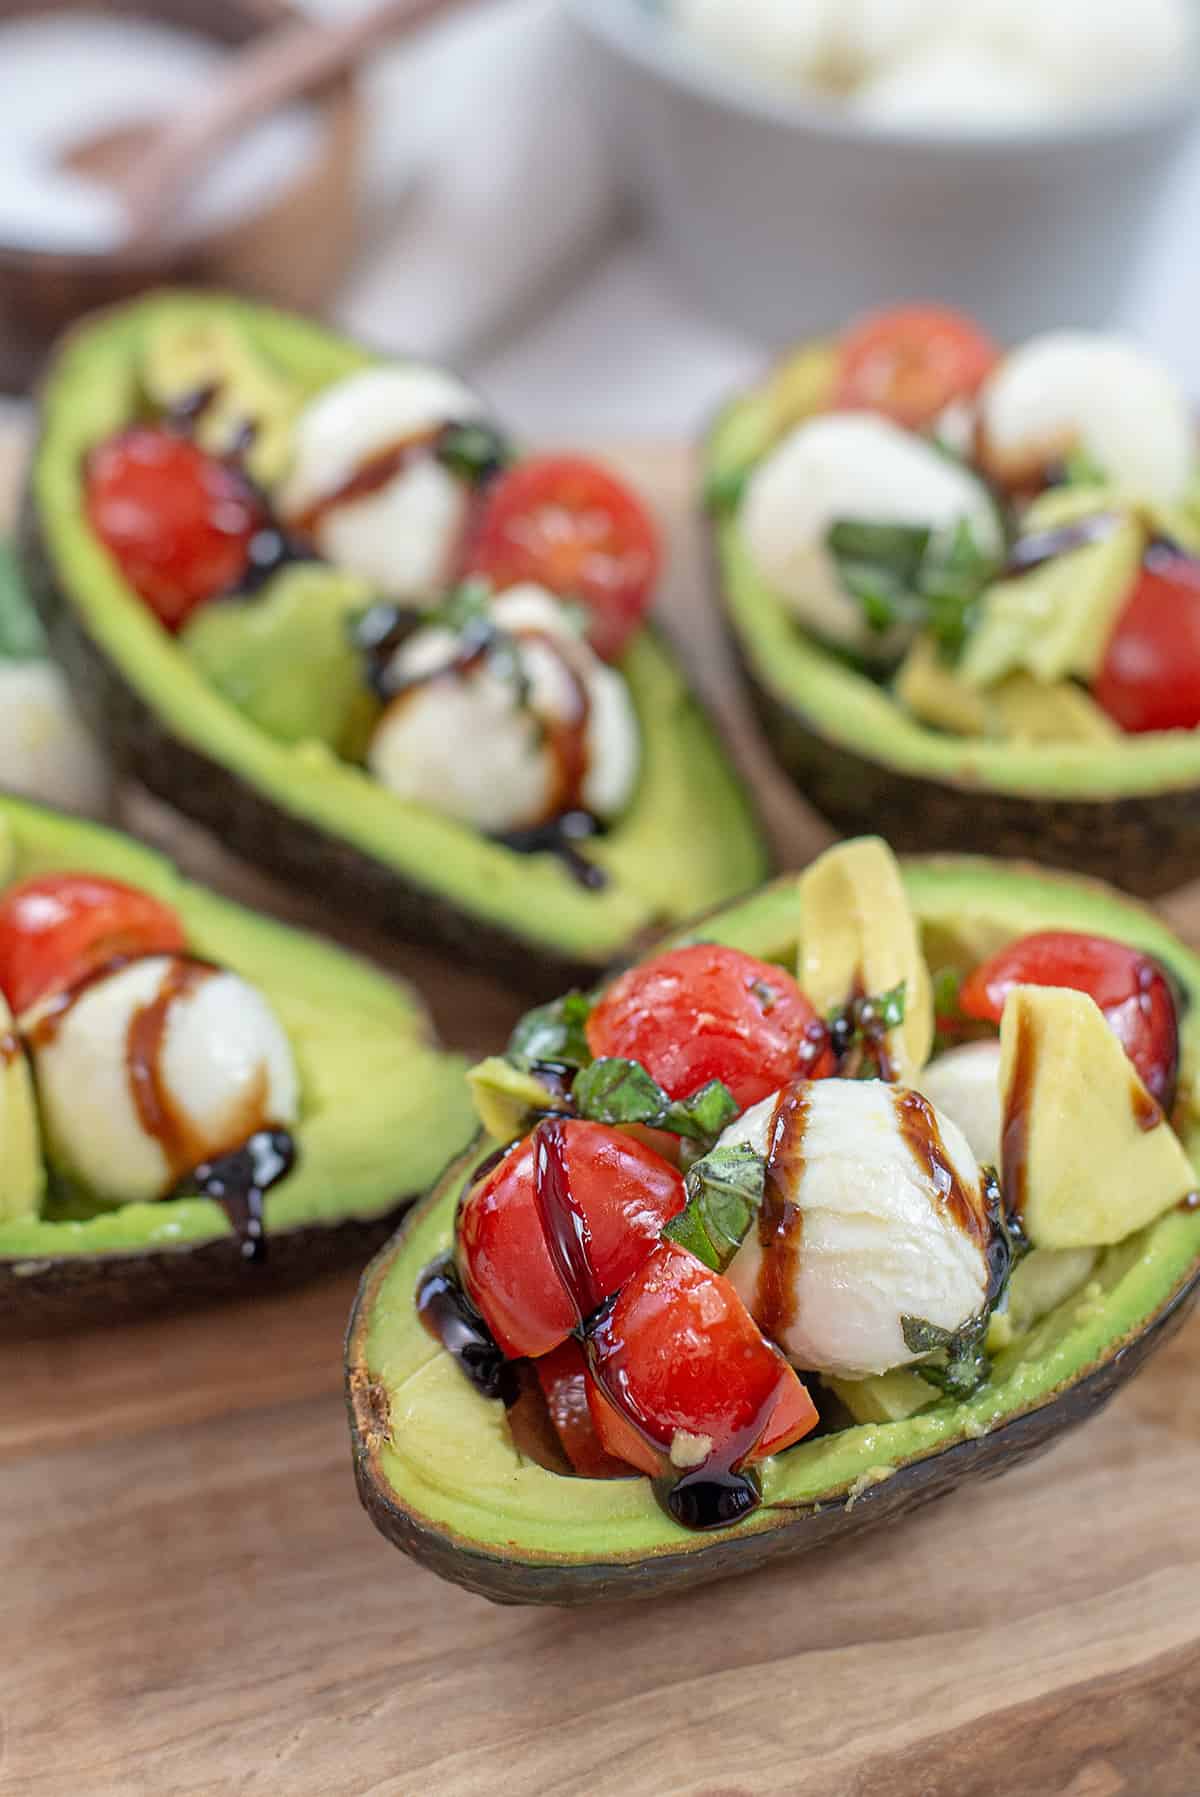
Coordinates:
[1086,390]
[1090,50]
[958,86]
[850,465]
[45,752]
[403,535]
[964,1085]
[472,744]
[876,1240]
[224,1069]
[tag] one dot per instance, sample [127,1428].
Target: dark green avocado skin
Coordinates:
[256,828]
[1147,844]
[72,1292]
[524,1582]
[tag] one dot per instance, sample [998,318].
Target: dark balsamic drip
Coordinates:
[1191,1202]
[240,1180]
[559,836]
[370,477]
[557,1076]
[1014,1132]
[270,549]
[450,1317]
[59,1006]
[1005,1238]
[1042,546]
[1147,1112]
[158,1113]
[381,630]
[919,1126]
[564,1225]
[184,413]
[780,1222]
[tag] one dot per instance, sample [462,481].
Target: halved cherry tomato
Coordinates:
[1130,988]
[910,362]
[624,1193]
[693,1368]
[562,1376]
[574,528]
[178,522]
[707,1012]
[57,928]
[1150,676]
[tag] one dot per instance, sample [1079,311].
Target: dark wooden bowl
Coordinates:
[292,250]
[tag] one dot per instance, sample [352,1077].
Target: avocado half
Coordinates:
[1129,812]
[436,1465]
[368,1065]
[689,840]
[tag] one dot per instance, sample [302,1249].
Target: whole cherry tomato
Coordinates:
[58,928]
[910,362]
[1150,676]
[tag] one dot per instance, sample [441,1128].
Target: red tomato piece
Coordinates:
[178,522]
[562,1375]
[58,928]
[1130,988]
[624,1193]
[910,362]
[707,1012]
[1150,676]
[682,1356]
[574,528]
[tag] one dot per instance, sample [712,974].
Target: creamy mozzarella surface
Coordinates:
[223,1064]
[403,534]
[478,743]
[875,1240]
[850,465]
[964,1085]
[1091,392]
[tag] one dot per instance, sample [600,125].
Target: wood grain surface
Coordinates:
[193,1603]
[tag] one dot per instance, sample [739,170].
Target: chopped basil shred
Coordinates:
[857,1033]
[724,1195]
[911,574]
[474,451]
[553,1032]
[614,1090]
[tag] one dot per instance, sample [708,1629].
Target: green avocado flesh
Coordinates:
[688,840]
[367,1062]
[847,709]
[438,1466]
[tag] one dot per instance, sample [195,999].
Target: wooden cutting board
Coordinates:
[194,1603]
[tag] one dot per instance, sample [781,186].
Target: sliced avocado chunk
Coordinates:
[237,401]
[368,1066]
[508,1099]
[1088,1156]
[284,657]
[440,1474]
[22,1171]
[688,841]
[859,937]
[1019,708]
[884,1398]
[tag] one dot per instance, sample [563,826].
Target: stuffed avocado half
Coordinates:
[964,590]
[194,1100]
[315,601]
[877,1211]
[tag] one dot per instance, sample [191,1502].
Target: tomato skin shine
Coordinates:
[178,522]
[574,528]
[707,1012]
[1129,987]
[911,362]
[58,928]
[625,1193]
[683,1356]
[1150,676]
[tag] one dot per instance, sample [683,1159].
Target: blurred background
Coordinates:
[605,211]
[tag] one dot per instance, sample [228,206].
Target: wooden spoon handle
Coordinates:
[280,66]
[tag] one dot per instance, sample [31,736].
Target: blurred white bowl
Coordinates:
[786,216]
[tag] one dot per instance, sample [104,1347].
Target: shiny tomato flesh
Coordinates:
[1130,988]
[681,1354]
[707,1012]
[178,522]
[1150,676]
[577,530]
[625,1194]
[562,1375]
[58,928]
[910,362]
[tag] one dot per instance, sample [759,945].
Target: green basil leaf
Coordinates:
[474,451]
[724,1195]
[704,1115]
[897,549]
[961,1366]
[613,1090]
[553,1032]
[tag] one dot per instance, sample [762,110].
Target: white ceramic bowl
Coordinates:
[786,217]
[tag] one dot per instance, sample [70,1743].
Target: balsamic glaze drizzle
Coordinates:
[450,1317]
[240,1180]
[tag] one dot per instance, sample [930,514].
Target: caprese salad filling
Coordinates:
[154,1073]
[729,1204]
[374,569]
[1009,540]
